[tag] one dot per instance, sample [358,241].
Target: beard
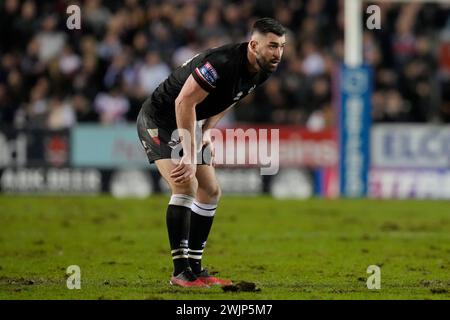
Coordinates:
[266,65]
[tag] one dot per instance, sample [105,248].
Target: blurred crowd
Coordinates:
[53,77]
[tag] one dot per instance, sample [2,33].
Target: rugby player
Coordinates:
[189,102]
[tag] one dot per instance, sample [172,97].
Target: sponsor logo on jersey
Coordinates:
[208,74]
[154,135]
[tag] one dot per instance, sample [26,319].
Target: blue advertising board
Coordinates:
[107,147]
[354,136]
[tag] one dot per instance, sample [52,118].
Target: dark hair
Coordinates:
[266,25]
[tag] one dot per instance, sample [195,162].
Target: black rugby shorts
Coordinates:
[164,143]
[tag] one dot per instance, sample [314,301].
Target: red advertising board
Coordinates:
[292,146]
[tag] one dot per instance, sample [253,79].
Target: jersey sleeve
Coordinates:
[209,71]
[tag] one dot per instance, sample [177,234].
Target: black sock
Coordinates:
[177,219]
[202,217]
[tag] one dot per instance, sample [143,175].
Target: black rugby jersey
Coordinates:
[221,71]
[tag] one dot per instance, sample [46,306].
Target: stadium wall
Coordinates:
[91,159]
[407,161]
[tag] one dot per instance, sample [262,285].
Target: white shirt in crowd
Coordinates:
[112,109]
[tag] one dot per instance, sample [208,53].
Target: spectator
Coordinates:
[87,80]
[50,41]
[111,107]
[26,24]
[404,40]
[31,65]
[110,46]
[96,16]
[152,73]
[83,110]
[7,108]
[69,62]
[60,114]
[114,72]
[396,109]
[313,61]
[9,12]
[126,48]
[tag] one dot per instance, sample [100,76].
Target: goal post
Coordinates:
[355,87]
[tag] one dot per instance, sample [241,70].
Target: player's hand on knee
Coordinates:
[184,171]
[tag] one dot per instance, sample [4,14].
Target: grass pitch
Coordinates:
[314,249]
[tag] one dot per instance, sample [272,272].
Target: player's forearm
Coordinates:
[186,117]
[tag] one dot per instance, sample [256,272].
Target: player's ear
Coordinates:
[253,44]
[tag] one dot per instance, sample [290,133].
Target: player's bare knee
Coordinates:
[188,187]
[212,193]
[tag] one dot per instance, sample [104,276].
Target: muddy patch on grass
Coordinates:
[20,281]
[436,286]
[416,268]
[242,286]
[98,220]
[115,263]
[432,283]
[117,238]
[438,290]
[390,226]
[39,242]
[66,224]
[17,281]
[342,291]
[367,237]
